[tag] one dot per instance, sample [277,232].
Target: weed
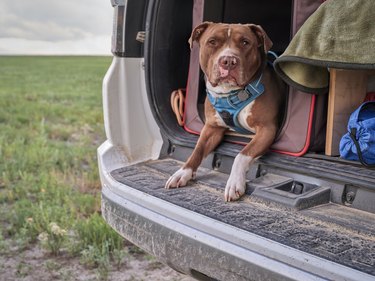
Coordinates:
[54,238]
[97,258]
[99,243]
[103,267]
[66,275]
[96,232]
[23,269]
[52,266]
[22,239]
[4,246]
[89,256]
[119,256]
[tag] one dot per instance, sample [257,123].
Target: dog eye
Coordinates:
[212,41]
[245,42]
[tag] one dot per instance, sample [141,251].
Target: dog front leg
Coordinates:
[210,137]
[236,184]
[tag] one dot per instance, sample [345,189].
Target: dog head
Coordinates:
[230,54]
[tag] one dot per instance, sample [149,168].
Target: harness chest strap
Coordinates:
[231,105]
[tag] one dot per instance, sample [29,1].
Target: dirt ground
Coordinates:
[36,265]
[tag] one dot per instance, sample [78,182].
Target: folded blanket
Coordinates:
[340,34]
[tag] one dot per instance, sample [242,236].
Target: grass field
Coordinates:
[50,127]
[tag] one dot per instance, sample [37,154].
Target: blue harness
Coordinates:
[231,105]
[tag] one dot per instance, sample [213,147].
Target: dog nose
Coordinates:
[228,62]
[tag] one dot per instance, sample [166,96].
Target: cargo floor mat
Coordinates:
[331,231]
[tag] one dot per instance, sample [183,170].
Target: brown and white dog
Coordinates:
[232,56]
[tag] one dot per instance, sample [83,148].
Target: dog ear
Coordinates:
[263,38]
[197,32]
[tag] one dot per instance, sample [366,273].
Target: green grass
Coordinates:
[51,124]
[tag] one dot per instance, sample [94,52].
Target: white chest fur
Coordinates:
[243,117]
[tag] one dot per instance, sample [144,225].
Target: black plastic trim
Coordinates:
[126,26]
[161,57]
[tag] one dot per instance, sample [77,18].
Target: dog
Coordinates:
[233,58]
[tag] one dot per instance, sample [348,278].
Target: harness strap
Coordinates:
[231,105]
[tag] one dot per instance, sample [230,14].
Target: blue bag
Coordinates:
[359,142]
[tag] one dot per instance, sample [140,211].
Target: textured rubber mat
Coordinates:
[334,232]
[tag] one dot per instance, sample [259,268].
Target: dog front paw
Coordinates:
[236,184]
[235,188]
[180,178]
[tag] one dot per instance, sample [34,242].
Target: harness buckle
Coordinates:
[243,95]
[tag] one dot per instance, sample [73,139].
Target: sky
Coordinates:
[55,27]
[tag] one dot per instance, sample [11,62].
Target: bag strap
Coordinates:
[352,134]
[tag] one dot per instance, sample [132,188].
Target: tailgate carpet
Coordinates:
[331,231]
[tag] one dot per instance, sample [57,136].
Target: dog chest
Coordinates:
[226,119]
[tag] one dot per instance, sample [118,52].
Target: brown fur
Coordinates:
[249,45]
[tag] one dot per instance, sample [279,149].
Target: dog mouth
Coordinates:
[226,77]
[223,85]
[228,80]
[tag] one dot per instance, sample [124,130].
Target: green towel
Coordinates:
[339,34]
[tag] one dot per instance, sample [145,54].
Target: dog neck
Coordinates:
[223,91]
[229,105]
